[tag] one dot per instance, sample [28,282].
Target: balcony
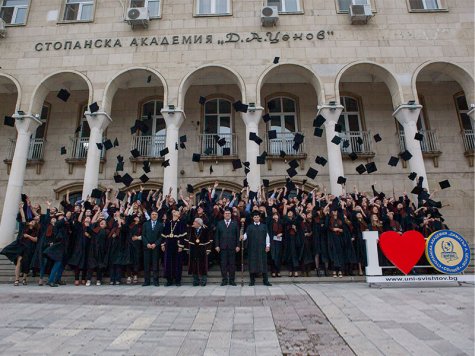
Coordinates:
[149,148]
[468,138]
[35,154]
[212,151]
[429,145]
[284,142]
[77,153]
[363,149]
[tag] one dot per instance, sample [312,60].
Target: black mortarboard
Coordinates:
[318,131]
[108,144]
[120,195]
[272,134]
[164,152]
[338,128]
[361,169]
[64,95]
[321,161]
[189,188]
[261,159]
[417,190]
[412,176]
[359,140]
[166,163]
[9,121]
[96,193]
[239,106]
[176,146]
[418,136]
[119,167]
[244,183]
[246,164]
[202,100]
[246,170]
[99,145]
[296,146]
[211,169]
[298,138]
[276,60]
[377,138]
[196,157]
[23,197]
[222,142]
[265,182]
[63,150]
[93,107]
[149,79]
[312,173]
[133,130]
[282,154]
[216,137]
[116,142]
[353,156]
[341,180]
[120,158]
[127,179]
[291,172]
[144,178]
[346,143]
[183,138]
[289,184]
[237,163]
[117,178]
[406,155]
[253,137]
[182,146]
[146,167]
[319,121]
[371,167]
[135,153]
[208,151]
[336,140]
[293,163]
[226,151]
[252,195]
[444,184]
[266,118]
[393,161]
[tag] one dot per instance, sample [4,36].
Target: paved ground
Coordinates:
[317,319]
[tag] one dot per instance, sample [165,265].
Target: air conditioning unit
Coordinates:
[360,14]
[137,16]
[269,16]
[3,30]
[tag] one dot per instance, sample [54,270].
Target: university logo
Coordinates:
[448,252]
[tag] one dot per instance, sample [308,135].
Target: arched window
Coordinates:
[151,140]
[284,120]
[38,137]
[217,125]
[352,130]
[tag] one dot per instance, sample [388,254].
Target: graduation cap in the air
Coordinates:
[222,142]
[119,167]
[211,169]
[298,138]
[282,154]
[202,100]
[412,176]
[341,180]
[261,159]
[239,106]
[116,142]
[444,184]
[96,193]
[253,137]
[406,155]
[361,169]
[133,130]
[196,157]
[318,131]
[63,94]
[236,163]
[24,197]
[127,179]
[108,144]
[291,172]
[311,173]
[189,188]
[63,150]
[359,140]
[183,139]
[319,121]
[120,196]
[246,170]
[246,164]
[135,153]
[293,164]
[166,163]
[144,178]
[272,134]
[117,178]
[338,127]
[252,196]
[377,138]
[393,161]
[265,183]
[146,167]
[276,60]
[208,151]
[321,161]
[418,136]
[346,143]
[93,107]
[245,183]
[164,152]
[120,158]
[353,156]
[9,121]
[226,151]
[417,190]
[371,167]
[266,118]
[99,145]
[336,140]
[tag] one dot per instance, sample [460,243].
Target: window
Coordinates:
[152,141]
[286,5]
[74,197]
[350,116]
[40,133]
[283,119]
[217,122]
[462,111]
[78,10]
[427,5]
[213,7]
[343,6]
[83,129]
[152,5]
[13,12]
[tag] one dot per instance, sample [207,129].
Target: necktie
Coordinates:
[227,223]
[153,225]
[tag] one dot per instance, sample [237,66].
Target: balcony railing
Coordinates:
[354,138]
[210,146]
[35,151]
[284,142]
[149,146]
[429,144]
[468,137]
[78,148]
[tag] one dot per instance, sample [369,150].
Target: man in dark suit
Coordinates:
[227,244]
[151,239]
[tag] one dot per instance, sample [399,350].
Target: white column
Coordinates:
[26,125]
[371,238]
[407,115]
[98,122]
[251,120]
[335,162]
[173,120]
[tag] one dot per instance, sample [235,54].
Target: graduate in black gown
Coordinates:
[133,248]
[97,255]
[173,236]
[276,232]
[198,245]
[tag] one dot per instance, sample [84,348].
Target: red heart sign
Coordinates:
[403,250]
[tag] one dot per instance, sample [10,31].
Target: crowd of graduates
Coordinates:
[149,231]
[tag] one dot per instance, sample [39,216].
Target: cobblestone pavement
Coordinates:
[305,319]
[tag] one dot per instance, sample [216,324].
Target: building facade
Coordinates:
[392,68]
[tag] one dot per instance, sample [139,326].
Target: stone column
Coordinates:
[407,115]
[335,162]
[98,122]
[173,120]
[26,125]
[251,120]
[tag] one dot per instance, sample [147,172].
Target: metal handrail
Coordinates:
[35,150]
[209,144]
[78,148]
[354,138]
[149,146]
[468,138]
[284,142]
[429,144]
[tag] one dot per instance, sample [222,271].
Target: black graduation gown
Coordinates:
[360,243]
[15,249]
[198,244]
[293,242]
[335,244]
[307,253]
[133,249]
[57,251]
[320,239]
[97,255]
[78,258]
[275,228]
[256,248]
